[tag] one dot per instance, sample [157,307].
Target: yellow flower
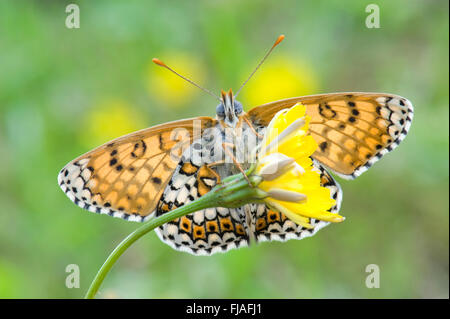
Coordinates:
[288,176]
[282,77]
[109,119]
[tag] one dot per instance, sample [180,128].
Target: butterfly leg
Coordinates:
[224,146]
[218,163]
[251,127]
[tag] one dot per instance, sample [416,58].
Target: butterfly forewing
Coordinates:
[126,177]
[353,130]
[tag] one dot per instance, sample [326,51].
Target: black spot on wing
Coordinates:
[156,180]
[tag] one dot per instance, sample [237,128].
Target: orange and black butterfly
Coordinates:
[153,171]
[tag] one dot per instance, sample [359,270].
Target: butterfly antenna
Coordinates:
[161,63]
[278,41]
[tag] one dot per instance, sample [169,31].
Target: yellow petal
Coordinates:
[289,116]
[295,112]
[282,120]
[295,209]
[298,146]
[294,182]
[300,220]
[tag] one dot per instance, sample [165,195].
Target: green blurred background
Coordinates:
[64,91]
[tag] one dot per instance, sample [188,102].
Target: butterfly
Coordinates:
[153,171]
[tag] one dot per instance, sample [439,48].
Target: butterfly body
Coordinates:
[155,170]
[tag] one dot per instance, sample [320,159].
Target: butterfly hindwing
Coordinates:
[353,130]
[126,177]
[205,232]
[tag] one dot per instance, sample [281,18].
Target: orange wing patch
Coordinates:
[353,130]
[126,177]
[207,178]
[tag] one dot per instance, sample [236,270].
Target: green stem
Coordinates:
[234,193]
[201,203]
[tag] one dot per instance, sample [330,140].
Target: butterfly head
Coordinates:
[229,109]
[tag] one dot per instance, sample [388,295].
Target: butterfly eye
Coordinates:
[238,107]
[220,110]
